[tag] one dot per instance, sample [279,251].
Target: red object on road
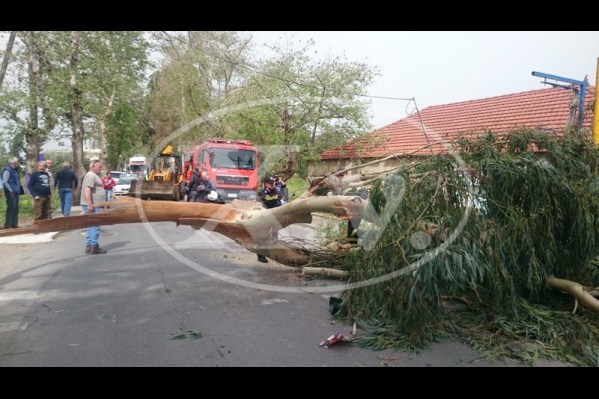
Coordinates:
[333,339]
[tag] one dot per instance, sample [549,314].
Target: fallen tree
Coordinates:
[247,223]
[484,249]
[511,242]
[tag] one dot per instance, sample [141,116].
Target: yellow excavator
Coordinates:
[164,180]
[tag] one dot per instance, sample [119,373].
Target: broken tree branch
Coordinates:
[576,290]
[321,271]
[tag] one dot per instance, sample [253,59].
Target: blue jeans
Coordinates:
[12,209]
[108,195]
[92,235]
[66,200]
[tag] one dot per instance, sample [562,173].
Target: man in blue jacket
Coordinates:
[11,183]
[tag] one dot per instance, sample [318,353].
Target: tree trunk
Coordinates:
[245,222]
[76,116]
[104,133]
[32,133]
[36,133]
[7,55]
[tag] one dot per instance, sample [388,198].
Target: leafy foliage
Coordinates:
[198,72]
[298,100]
[520,209]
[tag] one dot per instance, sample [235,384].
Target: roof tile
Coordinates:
[546,108]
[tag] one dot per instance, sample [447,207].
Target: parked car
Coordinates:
[117,174]
[123,185]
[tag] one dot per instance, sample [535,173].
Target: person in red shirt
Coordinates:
[109,184]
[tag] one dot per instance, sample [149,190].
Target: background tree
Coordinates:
[127,134]
[27,100]
[316,104]
[93,74]
[198,72]
[115,68]
[7,55]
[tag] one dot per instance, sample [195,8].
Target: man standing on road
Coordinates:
[49,164]
[92,192]
[39,187]
[11,182]
[66,180]
[271,198]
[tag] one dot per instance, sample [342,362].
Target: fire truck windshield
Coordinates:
[232,159]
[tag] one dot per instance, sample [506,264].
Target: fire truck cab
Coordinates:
[232,165]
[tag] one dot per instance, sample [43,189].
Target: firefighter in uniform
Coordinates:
[270,198]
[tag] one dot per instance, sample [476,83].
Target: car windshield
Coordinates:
[116,175]
[125,181]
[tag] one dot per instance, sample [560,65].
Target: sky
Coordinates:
[444,67]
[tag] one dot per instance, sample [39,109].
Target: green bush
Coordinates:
[296,187]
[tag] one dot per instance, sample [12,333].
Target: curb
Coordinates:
[29,238]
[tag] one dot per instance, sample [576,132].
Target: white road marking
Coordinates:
[274,300]
[5,327]
[29,238]
[16,295]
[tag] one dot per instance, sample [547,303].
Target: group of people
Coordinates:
[199,188]
[42,184]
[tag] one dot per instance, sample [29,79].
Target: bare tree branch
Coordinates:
[7,55]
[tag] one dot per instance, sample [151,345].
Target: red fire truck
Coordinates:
[232,165]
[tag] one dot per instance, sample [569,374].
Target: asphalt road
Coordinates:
[60,307]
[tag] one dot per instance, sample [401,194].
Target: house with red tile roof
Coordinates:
[429,131]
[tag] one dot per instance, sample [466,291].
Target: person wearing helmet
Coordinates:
[270,198]
[215,197]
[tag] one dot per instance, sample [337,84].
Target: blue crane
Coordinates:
[579,92]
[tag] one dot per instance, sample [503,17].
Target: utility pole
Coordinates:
[580,91]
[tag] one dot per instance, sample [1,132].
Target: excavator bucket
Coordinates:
[164,179]
[155,189]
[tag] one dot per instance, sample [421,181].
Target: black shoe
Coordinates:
[88,249]
[262,258]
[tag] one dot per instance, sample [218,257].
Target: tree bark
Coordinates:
[245,222]
[104,132]
[7,55]
[32,131]
[76,115]
[321,271]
